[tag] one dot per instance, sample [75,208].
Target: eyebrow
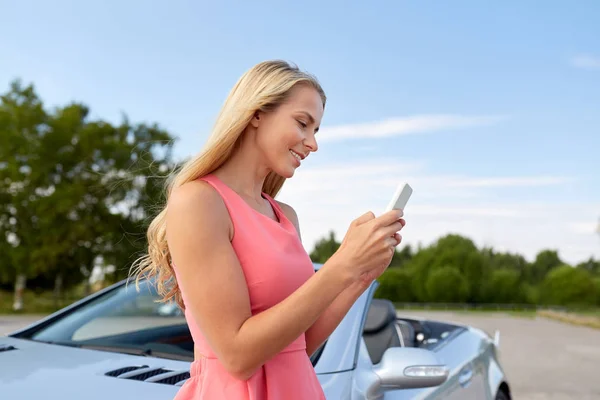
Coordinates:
[310,118]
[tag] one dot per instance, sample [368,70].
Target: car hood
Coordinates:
[32,370]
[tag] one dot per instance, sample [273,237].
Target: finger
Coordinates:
[399,223]
[390,230]
[394,240]
[391,241]
[389,217]
[364,218]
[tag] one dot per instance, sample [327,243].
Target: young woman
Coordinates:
[231,255]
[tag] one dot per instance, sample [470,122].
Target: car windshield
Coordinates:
[125,320]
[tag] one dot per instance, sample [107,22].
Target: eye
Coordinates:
[301,123]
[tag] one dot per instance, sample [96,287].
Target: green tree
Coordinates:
[506,260]
[504,287]
[476,273]
[568,286]
[402,257]
[395,284]
[23,122]
[325,248]
[545,261]
[99,178]
[450,251]
[531,293]
[591,265]
[79,190]
[448,285]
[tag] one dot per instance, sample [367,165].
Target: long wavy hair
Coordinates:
[262,88]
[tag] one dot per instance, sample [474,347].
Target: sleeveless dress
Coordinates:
[274,264]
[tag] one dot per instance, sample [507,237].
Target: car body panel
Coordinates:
[35,370]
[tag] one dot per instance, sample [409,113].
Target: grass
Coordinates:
[512,313]
[34,303]
[522,314]
[471,311]
[586,317]
[589,319]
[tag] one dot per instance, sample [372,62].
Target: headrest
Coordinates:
[381,313]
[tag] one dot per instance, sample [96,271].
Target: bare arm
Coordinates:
[336,311]
[199,233]
[332,316]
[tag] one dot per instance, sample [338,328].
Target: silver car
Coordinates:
[120,344]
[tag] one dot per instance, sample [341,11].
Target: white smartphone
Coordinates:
[403,193]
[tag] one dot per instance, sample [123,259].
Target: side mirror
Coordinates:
[408,368]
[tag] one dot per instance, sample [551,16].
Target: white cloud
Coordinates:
[586,61]
[507,181]
[405,126]
[329,197]
[585,227]
[469,211]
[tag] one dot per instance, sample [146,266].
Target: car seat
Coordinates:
[380,331]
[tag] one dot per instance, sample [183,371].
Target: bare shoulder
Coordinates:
[198,202]
[290,213]
[194,193]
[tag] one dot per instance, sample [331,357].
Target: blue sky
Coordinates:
[490,110]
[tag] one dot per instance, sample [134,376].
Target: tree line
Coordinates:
[454,270]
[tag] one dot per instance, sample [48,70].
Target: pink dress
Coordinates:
[275,264]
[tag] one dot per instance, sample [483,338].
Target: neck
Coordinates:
[244,172]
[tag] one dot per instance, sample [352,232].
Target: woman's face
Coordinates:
[286,136]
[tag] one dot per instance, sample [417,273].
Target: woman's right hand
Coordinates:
[369,244]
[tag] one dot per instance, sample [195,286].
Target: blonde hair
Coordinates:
[262,88]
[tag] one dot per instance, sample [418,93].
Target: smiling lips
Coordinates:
[297,155]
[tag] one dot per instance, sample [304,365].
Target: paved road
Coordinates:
[10,323]
[543,359]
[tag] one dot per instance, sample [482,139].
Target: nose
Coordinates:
[311,143]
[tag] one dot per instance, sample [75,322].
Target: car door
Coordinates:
[365,367]
[458,385]
[460,353]
[481,367]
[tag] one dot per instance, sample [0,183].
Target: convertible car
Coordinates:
[119,343]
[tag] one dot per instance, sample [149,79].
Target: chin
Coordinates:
[286,172]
